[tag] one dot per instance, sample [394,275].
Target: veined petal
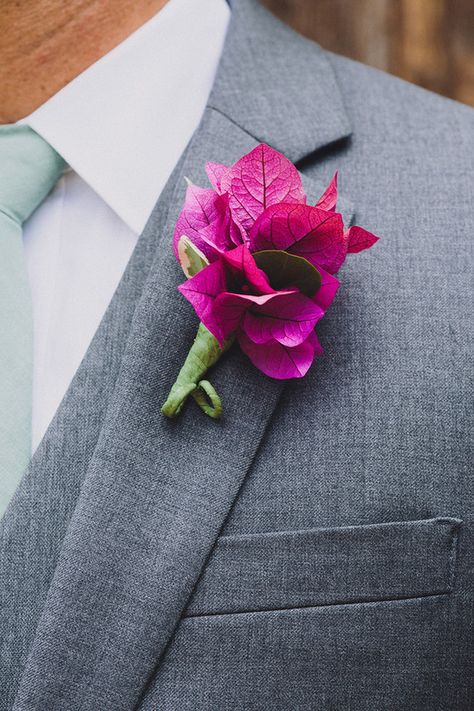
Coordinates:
[203,221]
[210,237]
[215,173]
[358,239]
[309,232]
[279,361]
[261,178]
[229,308]
[288,320]
[223,234]
[328,199]
[327,291]
[235,235]
[201,292]
[200,209]
[241,262]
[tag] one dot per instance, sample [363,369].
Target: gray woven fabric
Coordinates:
[314,549]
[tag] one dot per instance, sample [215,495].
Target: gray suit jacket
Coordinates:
[314,549]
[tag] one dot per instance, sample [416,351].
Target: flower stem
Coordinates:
[204,353]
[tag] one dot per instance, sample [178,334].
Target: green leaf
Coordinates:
[285,270]
[191,258]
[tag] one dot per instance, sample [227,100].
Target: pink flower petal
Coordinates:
[261,178]
[201,292]
[243,265]
[327,291]
[328,199]
[202,209]
[309,232]
[207,221]
[288,320]
[358,239]
[279,361]
[229,308]
[215,173]
[212,240]
[235,236]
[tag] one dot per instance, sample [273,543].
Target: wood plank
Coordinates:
[428,42]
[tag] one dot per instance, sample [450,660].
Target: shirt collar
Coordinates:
[124,122]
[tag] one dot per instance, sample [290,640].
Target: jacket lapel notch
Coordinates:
[290,100]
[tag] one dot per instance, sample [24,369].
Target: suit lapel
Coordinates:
[33,527]
[156,493]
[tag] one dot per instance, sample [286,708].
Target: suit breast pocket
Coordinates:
[328,566]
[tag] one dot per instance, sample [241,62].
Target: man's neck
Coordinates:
[44,44]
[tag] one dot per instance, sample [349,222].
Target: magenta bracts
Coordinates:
[271,259]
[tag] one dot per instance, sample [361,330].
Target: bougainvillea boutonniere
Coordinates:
[260,264]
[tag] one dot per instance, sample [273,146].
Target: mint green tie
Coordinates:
[29,169]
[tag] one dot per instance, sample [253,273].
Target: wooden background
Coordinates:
[428,42]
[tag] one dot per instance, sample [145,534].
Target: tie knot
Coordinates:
[29,169]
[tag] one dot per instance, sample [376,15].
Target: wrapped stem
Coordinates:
[204,353]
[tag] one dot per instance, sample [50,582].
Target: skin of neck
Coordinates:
[44,44]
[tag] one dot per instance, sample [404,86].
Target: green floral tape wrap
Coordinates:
[204,353]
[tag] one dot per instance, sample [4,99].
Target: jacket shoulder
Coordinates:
[375,89]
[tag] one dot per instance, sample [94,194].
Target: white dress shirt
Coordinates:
[121,126]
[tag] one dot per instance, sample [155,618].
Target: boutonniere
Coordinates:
[260,264]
